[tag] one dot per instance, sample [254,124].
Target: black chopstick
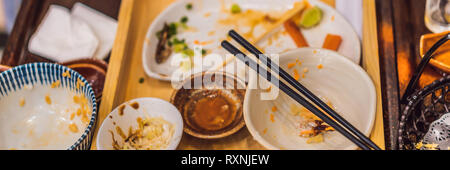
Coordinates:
[283,74]
[283,87]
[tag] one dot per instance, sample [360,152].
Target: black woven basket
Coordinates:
[424,106]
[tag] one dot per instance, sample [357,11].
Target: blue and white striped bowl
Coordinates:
[44,74]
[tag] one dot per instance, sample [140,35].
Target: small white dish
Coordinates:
[341,82]
[205,16]
[148,107]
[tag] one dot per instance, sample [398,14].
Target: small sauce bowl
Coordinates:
[211,104]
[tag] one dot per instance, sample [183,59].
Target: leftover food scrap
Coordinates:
[152,134]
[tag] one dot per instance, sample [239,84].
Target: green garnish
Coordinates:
[235,9]
[188,52]
[184,19]
[189,6]
[311,17]
[141,80]
[172,29]
[204,51]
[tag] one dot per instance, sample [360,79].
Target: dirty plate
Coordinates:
[208,24]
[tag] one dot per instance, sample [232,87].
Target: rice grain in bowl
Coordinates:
[45,106]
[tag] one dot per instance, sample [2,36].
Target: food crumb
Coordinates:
[296,75]
[79,83]
[121,109]
[79,112]
[73,128]
[265,131]
[272,118]
[84,118]
[66,74]
[332,18]
[135,105]
[189,6]
[315,139]
[141,80]
[291,65]
[48,100]
[56,84]
[320,66]
[268,89]
[305,70]
[72,116]
[22,102]
[274,108]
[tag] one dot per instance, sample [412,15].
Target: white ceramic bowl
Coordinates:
[148,107]
[340,81]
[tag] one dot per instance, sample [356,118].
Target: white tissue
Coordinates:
[103,26]
[63,38]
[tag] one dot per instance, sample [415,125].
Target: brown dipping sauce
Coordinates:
[211,110]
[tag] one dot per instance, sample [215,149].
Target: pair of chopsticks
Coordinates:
[360,139]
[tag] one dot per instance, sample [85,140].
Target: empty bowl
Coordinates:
[45,106]
[330,76]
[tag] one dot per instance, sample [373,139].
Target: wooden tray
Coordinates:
[123,81]
[28,19]
[400,25]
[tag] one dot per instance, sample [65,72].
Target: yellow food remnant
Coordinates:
[291,65]
[315,139]
[296,75]
[84,118]
[268,89]
[66,74]
[320,66]
[274,108]
[332,18]
[307,133]
[72,116]
[56,84]
[48,99]
[22,102]
[79,83]
[272,117]
[265,131]
[79,112]
[329,129]
[211,33]
[305,70]
[73,128]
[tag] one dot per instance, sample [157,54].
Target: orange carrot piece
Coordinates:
[332,42]
[295,34]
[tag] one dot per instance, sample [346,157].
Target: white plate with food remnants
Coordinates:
[141,124]
[47,107]
[191,30]
[278,122]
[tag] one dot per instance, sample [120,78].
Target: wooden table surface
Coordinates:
[122,82]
